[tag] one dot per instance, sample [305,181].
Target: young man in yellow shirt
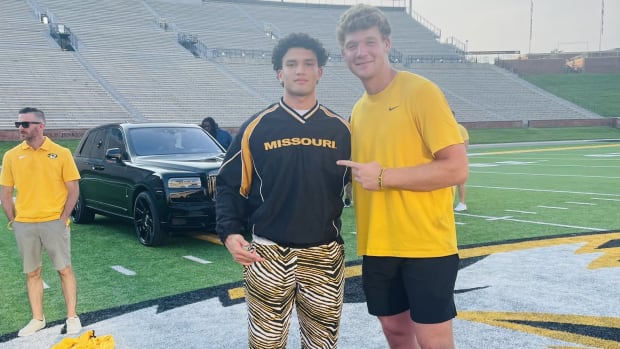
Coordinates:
[407,154]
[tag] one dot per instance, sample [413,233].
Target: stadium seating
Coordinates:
[128,66]
[34,72]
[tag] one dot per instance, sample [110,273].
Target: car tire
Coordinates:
[82,214]
[146,221]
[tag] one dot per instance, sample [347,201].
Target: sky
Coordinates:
[498,25]
[504,25]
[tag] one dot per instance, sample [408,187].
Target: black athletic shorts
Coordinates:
[425,286]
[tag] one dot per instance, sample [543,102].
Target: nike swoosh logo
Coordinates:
[21,157]
[392,108]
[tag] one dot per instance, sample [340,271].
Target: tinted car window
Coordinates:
[115,139]
[93,146]
[163,141]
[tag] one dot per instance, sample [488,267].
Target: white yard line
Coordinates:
[123,270]
[606,199]
[517,211]
[531,222]
[197,260]
[548,191]
[505,218]
[553,207]
[580,203]
[543,174]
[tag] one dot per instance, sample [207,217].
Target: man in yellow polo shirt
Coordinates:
[45,178]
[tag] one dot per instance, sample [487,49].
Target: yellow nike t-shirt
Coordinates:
[402,126]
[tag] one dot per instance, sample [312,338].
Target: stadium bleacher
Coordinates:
[35,72]
[128,67]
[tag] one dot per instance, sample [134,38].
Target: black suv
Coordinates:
[161,175]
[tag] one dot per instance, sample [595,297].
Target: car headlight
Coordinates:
[184,183]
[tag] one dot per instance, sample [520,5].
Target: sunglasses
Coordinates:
[26,124]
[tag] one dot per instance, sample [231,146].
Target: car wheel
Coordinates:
[82,214]
[146,221]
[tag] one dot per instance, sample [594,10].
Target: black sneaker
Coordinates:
[347,202]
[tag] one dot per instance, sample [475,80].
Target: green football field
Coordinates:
[514,192]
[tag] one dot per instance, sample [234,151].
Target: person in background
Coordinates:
[45,178]
[220,135]
[348,195]
[461,189]
[407,155]
[280,178]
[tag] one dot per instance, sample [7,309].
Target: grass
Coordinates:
[511,194]
[556,191]
[596,92]
[510,135]
[477,136]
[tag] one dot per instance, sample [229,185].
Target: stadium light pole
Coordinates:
[529,49]
[600,37]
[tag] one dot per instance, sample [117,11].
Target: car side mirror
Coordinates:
[114,155]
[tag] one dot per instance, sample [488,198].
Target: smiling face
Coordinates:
[300,73]
[366,53]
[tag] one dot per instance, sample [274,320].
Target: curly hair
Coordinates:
[362,17]
[301,40]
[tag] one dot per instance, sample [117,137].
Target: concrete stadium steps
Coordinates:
[175,87]
[243,25]
[148,68]
[54,82]
[339,89]
[217,25]
[111,25]
[19,27]
[128,68]
[411,38]
[483,92]
[260,77]
[34,72]
[320,22]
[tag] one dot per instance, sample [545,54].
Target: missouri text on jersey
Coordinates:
[285,142]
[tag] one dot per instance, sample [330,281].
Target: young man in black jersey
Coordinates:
[280,179]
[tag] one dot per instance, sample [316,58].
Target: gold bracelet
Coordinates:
[381,178]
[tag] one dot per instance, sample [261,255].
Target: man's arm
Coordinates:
[6,197]
[230,206]
[450,167]
[73,192]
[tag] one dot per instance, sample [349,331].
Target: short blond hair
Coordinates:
[362,17]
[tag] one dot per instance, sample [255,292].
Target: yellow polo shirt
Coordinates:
[39,177]
[464,133]
[403,125]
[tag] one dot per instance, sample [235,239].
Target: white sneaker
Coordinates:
[72,326]
[33,326]
[460,207]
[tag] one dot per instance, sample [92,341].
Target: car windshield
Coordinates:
[171,140]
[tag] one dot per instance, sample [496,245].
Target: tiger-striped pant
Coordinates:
[310,278]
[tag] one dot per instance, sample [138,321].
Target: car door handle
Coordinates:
[98,167]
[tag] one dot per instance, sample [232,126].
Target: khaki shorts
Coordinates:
[32,238]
